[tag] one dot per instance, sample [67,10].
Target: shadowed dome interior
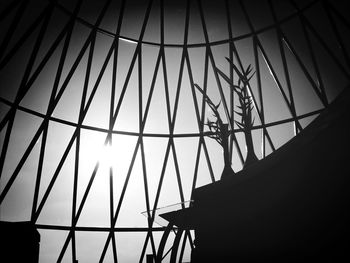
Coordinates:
[100,119]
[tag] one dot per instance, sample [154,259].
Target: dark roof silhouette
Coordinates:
[293,204]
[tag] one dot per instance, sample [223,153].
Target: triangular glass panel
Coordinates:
[30,14]
[78,37]
[4,109]
[68,105]
[257,141]
[214,12]
[90,245]
[197,61]
[123,147]
[268,149]
[110,19]
[186,151]
[305,98]
[18,201]
[195,28]
[57,22]
[126,51]
[272,56]
[237,164]
[155,149]
[91,12]
[130,245]
[280,134]
[308,120]
[109,256]
[23,130]
[57,141]
[186,119]
[149,58]
[213,93]
[96,209]
[134,200]
[57,208]
[91,151]
[67,256]
[238,21]
[220,53]
[99,108]
[51,243]
[336,79]
[169,193]
[323,27]
[152,31]
[204,176]
[157,118]
[128,114]
[102,47]
[38,96]
[275,106]
[291,29]
[133,18]
[174,21]
[259,13]
[12,73]
[173,62]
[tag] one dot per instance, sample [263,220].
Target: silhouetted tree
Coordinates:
[219,130]
[245,107]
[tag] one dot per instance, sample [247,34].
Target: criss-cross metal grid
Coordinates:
[123,74]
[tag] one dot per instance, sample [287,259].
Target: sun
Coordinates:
[115,152]
[106,155]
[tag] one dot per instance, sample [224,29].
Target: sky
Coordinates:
[136,180]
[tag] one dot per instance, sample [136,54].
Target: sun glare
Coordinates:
[114,154]
[106,155]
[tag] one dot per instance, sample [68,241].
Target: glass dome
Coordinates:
[101,120]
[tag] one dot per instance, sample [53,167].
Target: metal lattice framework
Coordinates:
[76,75]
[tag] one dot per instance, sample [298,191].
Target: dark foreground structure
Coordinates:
[20,242]
[293,206]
